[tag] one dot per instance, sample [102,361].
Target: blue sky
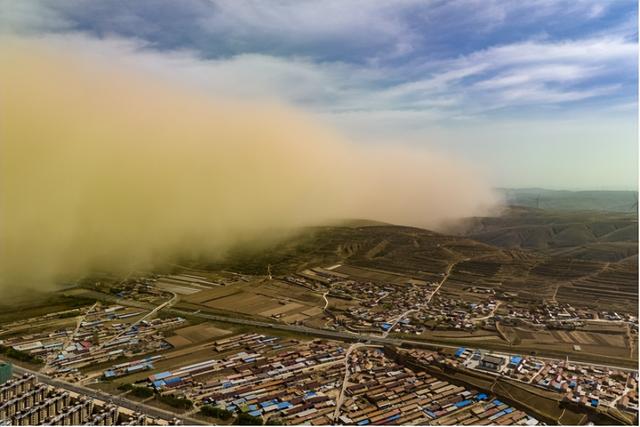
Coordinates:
[538,93]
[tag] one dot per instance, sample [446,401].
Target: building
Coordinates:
[492,363]
[6,371]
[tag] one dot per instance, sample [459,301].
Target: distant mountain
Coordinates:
[611,201]
[594,235]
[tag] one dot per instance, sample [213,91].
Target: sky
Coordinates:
[535,93]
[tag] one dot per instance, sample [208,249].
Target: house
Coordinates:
[491,362]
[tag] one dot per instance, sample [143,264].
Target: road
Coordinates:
[345,381]
[395,322]
[493,312]
[325,333]
[70,339]
[146,316]
[105,397]
[426,303]
[444,279]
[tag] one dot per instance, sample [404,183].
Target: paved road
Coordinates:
[338,335]
[118,400]
[145,317]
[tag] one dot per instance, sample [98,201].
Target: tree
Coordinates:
[247,420]
[215,412]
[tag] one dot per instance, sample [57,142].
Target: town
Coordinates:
[133,344]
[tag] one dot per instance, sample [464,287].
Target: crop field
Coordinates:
[200,332]
[243,302]
[175,288]
[615,286]
[369,274]
[266,298]
[606,344]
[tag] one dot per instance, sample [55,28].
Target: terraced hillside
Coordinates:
[532,274]
[589,235]
[613,284]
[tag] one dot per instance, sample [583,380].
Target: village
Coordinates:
[306,383]
[412,306]
[214,373]
[102,334]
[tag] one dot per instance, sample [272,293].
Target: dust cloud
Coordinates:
[103,167]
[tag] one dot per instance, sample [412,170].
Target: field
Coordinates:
[261,298]
[195,334]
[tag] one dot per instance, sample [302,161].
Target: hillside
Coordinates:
[547,274]
[589,235]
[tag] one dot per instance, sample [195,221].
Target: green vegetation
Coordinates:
[274,421]
[176,402]
[247,420]
[19,355]
[216,412]
[68,314]
[142,392]
[136,390]
[40,304]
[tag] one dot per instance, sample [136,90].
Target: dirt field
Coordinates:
[263,298]
[177,288]
[282,309]
[244,302]
[177,341]
[201,332]
[372,274]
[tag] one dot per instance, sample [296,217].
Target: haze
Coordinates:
[104,167]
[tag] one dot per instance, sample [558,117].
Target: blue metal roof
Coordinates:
[162,375]
[463,403]
[173,380]
[268,403]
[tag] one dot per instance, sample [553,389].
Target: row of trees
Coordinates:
[242,419]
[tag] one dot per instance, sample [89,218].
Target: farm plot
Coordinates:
[201,332]
[177,288]
[243,302]
[372,275]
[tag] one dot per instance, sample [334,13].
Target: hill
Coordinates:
[589,235]
[560,273]
[610,201]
